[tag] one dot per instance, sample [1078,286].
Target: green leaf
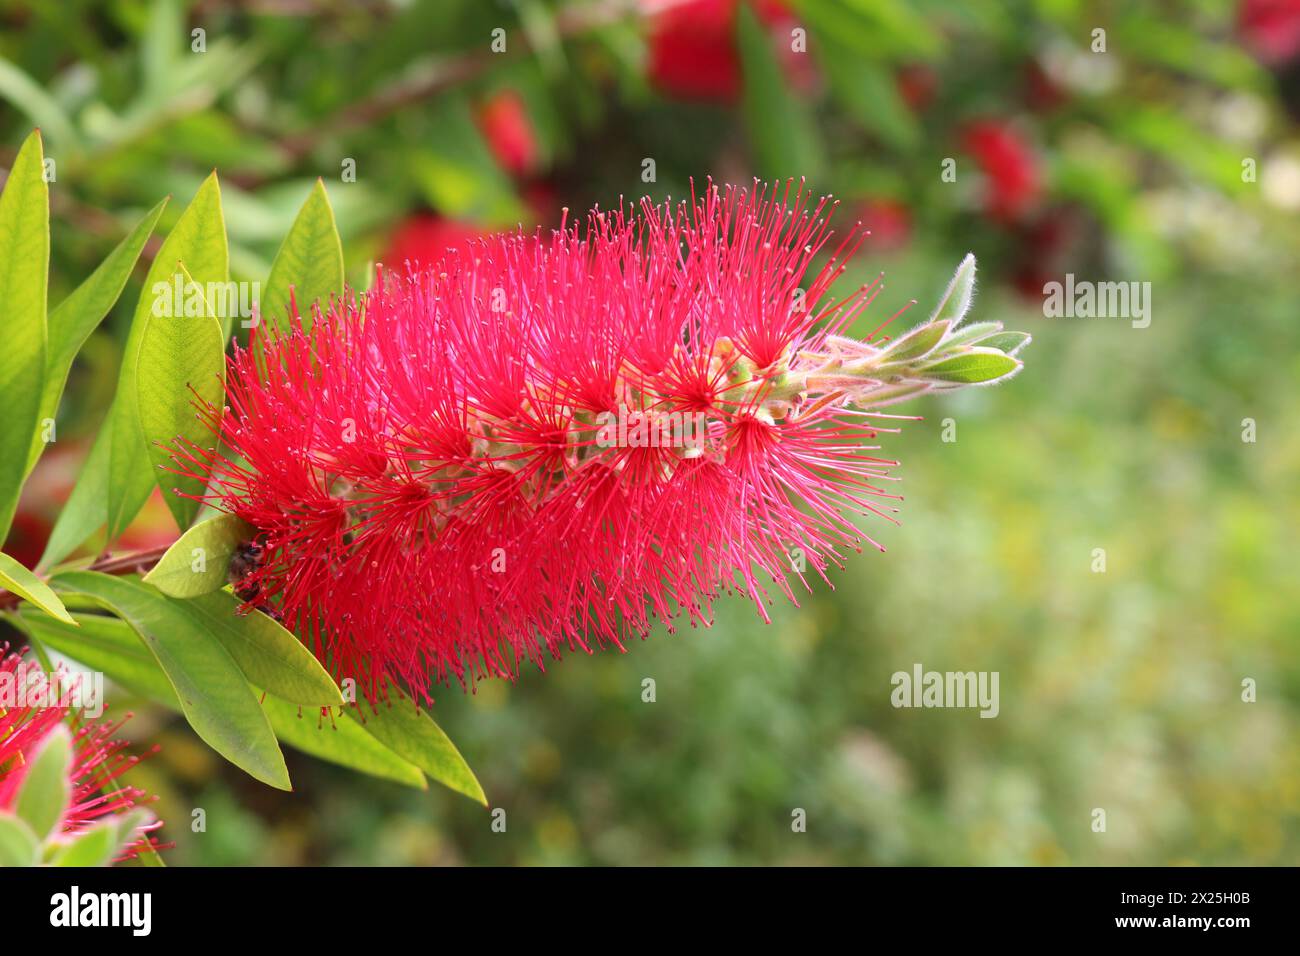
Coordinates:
[76,317]
[969,334]
[159,47]
[781,130]
[270,656]
[1008,342]
[109,645]
[956,300]
[976,367]
[199,561]
[85,511]
[888,31]
[24,270]
[18,845]
[869,92]
[147,856]
[455,171]
[340,741]
[96,846]
[199,240]
[45,791]
[1184,142]
[30,98]
[214,694]
[918,343]
[889,394]
[411,734]
[16,578]
[310,260]
[100,844]
[181,363]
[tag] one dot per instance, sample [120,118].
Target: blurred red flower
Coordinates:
[424,238]
[1011,168]
[503,120]
[1041,249]
[888,221]
[693,51]
[27,537]
[1042,93]
[917,86]
[1270,28]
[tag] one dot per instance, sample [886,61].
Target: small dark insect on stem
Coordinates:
[130,562]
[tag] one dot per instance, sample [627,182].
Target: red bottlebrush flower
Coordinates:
[1013,181]
[504,122]
[547,443]
[98,760]
[424,238]
[1270,28]
[693,53]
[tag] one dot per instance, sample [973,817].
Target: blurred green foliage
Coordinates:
[1120,690]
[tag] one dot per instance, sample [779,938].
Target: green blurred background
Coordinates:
[1164,149]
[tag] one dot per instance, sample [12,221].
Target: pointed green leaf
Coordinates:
[96,846]
[45,790]
[918,343]
[24,271]
[976,367]
[32,99]
[869,92]
[310,260]
[18,845]
[148,856]
[956,300]
[455,172]
[109,645]
[181,363]
[411,734]
[75,317]
[270,656]
[16,578]
[889,394]
[1008,342]
[214,694]
[160,47]
[781,131]
[970,334]
[85,511]
[199,240]
[340,741]
[199,561]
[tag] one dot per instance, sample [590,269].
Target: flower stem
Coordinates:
[129,562]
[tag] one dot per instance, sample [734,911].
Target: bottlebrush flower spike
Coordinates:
[545,443]
[27,722]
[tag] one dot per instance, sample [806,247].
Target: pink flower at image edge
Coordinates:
[98,760]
